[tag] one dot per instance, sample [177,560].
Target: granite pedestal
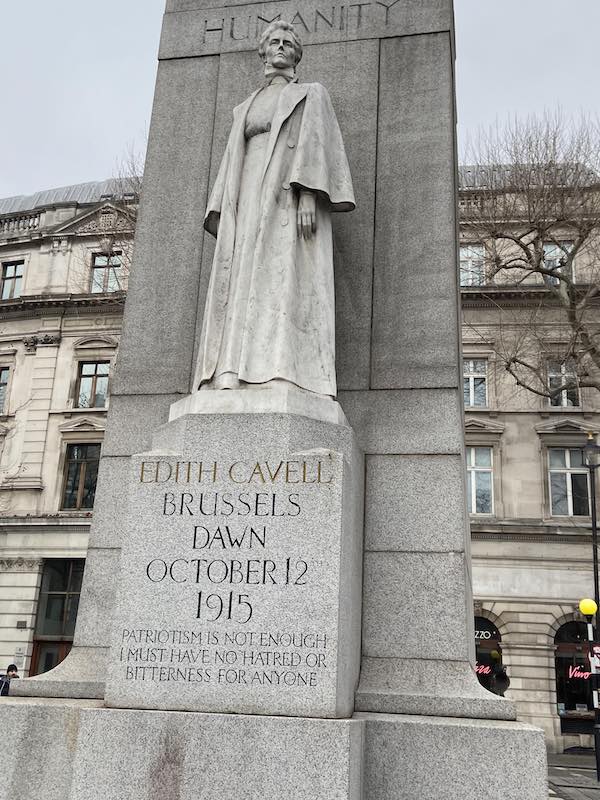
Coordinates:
[240,586]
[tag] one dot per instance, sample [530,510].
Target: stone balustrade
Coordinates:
[20,223]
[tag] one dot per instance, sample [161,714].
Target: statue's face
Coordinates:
[280,51]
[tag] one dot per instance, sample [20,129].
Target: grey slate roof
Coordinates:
[485,176]
[80,193]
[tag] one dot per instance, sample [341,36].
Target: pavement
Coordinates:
[572,776]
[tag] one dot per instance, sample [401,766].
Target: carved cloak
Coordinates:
[290,320]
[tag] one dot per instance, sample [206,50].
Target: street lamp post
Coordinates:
[587,607]
[591,454]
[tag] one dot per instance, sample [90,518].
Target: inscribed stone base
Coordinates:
[240,587]
[79,752]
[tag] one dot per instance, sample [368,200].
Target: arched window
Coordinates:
[487,649]
[573,683]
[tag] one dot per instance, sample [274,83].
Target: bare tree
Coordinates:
[531,202]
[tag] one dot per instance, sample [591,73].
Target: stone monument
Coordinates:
[277,598]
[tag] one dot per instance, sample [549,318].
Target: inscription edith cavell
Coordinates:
[233,588]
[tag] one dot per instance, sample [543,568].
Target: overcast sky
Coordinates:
[78,77]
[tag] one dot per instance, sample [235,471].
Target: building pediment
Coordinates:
[488,426]
[83,425]
[94,342]
[569,426]
[101,221]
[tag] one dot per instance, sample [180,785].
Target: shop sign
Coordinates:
[578,672]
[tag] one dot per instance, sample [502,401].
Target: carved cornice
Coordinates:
[541,538]
[41,339]
[20,564]
[28,306]
[513,296]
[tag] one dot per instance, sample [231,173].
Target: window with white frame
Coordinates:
[569,482]
[480,491]
[475,382]
[107,272]
[4,375]
[472,265]
[555,256]
[12,278]
[92,384]
[563,374]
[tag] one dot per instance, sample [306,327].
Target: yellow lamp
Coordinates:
[588,607]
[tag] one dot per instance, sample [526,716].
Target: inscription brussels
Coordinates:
[230,557]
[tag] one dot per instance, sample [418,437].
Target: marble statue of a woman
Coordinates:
[269,314]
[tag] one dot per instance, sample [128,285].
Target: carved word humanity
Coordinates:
[223,519]
[346,17]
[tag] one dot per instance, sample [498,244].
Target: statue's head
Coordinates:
[279,46]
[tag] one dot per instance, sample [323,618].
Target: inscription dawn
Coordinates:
[233,557]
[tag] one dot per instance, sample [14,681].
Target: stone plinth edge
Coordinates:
[284,399]
[428,688]
[80,751]
[81,675]
[414,757]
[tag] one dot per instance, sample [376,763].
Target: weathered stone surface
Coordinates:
[106,527]
[74,750]
[355,101]
[216,757]
[404,421]
[416,757]
[241,588]
[196,31]
[422,686]
[131,421]
[412,503]
[42,737]
[415,325]
[97,597]
[164,276]
[414,606]
[81,675]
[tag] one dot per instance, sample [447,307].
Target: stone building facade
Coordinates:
[530,493]
[63,260]
[64,257]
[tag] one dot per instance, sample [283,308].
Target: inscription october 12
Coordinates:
[232,557]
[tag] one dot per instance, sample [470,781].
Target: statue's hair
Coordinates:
[279,25]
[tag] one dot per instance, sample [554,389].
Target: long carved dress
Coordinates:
[270,304]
